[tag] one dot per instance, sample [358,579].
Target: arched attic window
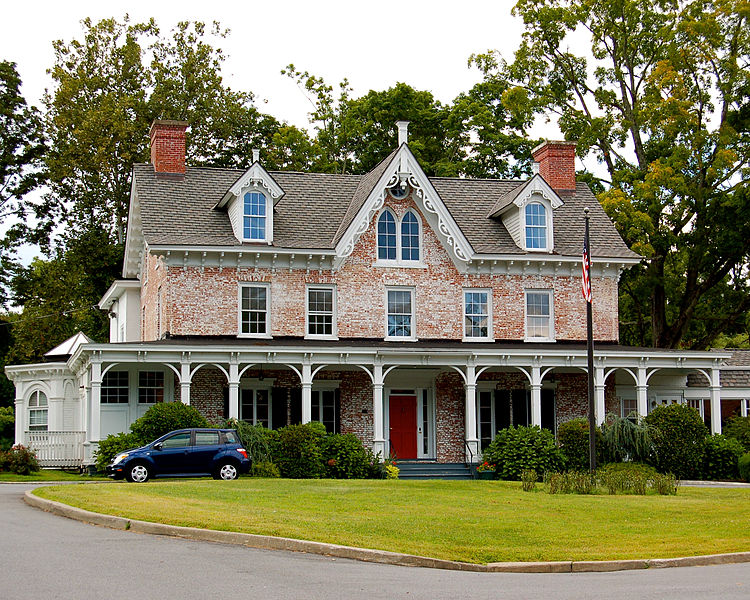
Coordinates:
[536,226]
[386,236]
[38,411]
[409,237]
[254,216]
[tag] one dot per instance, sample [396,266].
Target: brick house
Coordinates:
[422,314]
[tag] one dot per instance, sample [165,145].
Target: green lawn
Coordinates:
[474,521]
[48,475]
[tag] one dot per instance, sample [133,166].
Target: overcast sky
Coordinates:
[375,44]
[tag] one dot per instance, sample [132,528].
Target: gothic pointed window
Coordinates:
[409,237]
[387,236]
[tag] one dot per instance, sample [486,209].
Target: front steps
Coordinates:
[422,470]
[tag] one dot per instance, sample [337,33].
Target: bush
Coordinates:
[665,485]
[20,460]
[528,480]
[256,439]
[264,469]
[7,427]
[678,434]
[296,451]
[626,478]
[391,471]
[519,448]
[344,457]
[743,466]
[164,417]
[738,428]
[627,440]
[720,457]
[112,445]
[573,439]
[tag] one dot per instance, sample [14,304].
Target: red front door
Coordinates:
[403,423]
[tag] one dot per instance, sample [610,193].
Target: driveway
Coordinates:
[44,556]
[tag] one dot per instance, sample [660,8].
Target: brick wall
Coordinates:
[450,424]
[204,301]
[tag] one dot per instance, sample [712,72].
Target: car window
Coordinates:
[178,440]
[232,437]
[206,438]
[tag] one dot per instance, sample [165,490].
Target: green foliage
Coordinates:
[573,439]
[345,457]
[7,427]
[20,460]
[627,440]
[112,445]
[570,482]
[626,478]
[264,469]
[720,458]
[528,480]
[296,451]
[743,466]
[678,435]
[665,485]
[738,428]
[164,417]
[518,448]
[256,439]
[391,471]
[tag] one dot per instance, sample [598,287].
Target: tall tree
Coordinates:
[662,101]
[21,151]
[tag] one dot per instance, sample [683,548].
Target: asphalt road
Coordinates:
[44,557]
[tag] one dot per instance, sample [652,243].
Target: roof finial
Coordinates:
[256,155]
[403,132]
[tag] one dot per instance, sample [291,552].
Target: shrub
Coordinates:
[391,471]
[164,417]
[112,445]
[296,451]
[4,461]
[743,466]
[7,427]
[665,485]
[739,429]
[573,439]
[517,448]
[678,434]
[557,483]
[21,460]
[528,480]
[345,457]
[626,478]
[720,457]
[626,440]
[256,439]
[264,469]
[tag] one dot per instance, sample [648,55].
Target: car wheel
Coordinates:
[227,471]
[138,473]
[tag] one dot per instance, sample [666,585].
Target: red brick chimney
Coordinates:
[168,146]
[557,164]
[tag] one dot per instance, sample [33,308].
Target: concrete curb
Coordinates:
[265,542]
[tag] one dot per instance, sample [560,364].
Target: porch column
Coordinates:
[234,390]
[536,396]
[96,401]
[641,389]
[472,442]
[600,409]
[378,425]
[20,419]
[715,401]
[185,382]
[306,392]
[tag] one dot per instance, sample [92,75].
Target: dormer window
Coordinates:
[399,241]
[536,226]
[387,236]
[254,217]
[409,237]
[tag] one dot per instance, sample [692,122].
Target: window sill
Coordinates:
[399,339]
[477,339]
[397,264]
[255,336]
[333,338]
[539,339]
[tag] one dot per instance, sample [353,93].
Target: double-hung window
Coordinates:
[254,216]
[254,304]
[150,387]
[477,314]
[400,321]
[325,408]
[536,226]
[321,311]
[38,411]
[539,317]
[255,407]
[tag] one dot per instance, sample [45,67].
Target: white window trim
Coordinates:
[490,337]
[255,385]
[268,239]
[412,291]
[551,334]
[536,199]
[400,262]
[334,321]
[248,284]
[37,408]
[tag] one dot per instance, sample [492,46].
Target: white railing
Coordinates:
[57,448]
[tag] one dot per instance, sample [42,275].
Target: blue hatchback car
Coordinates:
[185,452]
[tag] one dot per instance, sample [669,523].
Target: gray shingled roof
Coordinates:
[317,208]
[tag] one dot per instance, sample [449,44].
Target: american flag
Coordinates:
[586,280]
